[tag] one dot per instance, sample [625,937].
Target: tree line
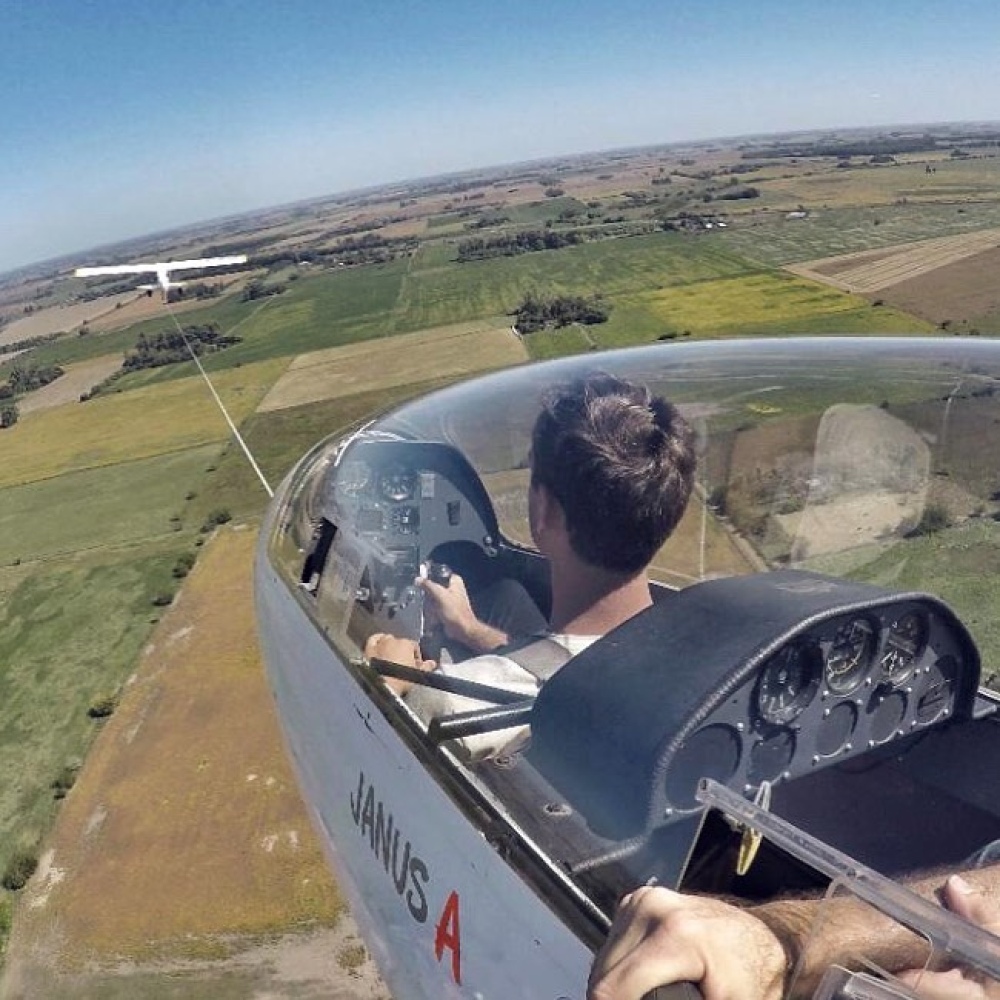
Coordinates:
[171,347]
[529,241]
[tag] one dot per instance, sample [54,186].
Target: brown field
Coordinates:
[873,271]
[77,380]
[184,840]
[447,351]
[964,290]
[62,318]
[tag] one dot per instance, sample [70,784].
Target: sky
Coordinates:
[120,118]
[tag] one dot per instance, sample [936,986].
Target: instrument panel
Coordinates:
[840,688]
[389,505]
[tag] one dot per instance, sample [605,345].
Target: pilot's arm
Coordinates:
[660,937]
[451,607]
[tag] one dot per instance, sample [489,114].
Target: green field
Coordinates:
[70,633]
[771,238]
[107,506]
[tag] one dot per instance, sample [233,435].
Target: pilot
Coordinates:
[612,468]
[660,937]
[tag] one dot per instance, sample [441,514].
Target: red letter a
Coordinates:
[448,935]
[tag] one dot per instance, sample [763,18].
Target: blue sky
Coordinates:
[122,118]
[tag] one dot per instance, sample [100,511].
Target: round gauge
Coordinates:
[712,752]
[886,712]
[850,655]
[353,477]
[904,645]
[770,756]
[398,483]
[936,690]
[834,732]
[789,682]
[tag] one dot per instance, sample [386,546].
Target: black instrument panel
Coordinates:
[842,687]
[761,678]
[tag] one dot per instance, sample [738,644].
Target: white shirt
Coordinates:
[497,671]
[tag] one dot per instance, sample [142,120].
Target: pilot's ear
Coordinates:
[549,512]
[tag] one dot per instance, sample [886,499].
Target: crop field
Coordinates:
[439,294]
[762,304]
[117,428]
[188,805]
[770,238]
[871,272]
[952,181]
[965,293]
[447,352]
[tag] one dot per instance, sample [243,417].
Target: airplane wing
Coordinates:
[90,272]
[158,268]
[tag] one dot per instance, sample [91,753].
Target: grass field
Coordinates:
[69,634]
[121,504]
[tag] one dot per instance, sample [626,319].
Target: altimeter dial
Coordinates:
[849,655]
[789,682]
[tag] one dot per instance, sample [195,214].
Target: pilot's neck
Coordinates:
[591,601]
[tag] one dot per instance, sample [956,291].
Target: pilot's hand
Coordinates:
[405,652]
[660,937]
[976,906]
[451,609]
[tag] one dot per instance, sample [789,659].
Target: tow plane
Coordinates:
[809,705]
[162,270]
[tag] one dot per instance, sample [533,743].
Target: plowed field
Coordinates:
[873,270]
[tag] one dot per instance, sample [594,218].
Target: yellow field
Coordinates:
[150,421]
[712,306]
[380,364]
[185,826]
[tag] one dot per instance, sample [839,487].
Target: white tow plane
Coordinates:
[162,270]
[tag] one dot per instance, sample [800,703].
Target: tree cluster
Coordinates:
[257,289]
[540,313]
[529,241]
[22,380]
[169,348]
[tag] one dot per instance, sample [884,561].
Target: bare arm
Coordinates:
[850,927]
[661,937]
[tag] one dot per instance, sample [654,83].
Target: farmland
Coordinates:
[99,501]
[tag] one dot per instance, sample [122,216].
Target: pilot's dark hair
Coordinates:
[621,463]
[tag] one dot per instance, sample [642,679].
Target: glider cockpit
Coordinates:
[817,635]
